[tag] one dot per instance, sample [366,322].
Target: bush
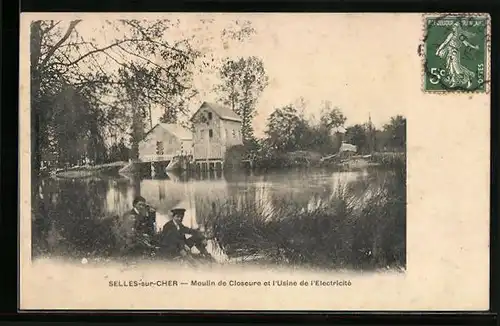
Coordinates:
[390,159]
[345,231]
[234,156]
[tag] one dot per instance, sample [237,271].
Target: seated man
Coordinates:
[173,240]
[137,230]
[144,216]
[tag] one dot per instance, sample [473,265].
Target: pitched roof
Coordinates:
[223,112]
[177,130]
[345,147]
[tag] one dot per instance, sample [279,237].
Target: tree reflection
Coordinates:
[70,217]
[75,217]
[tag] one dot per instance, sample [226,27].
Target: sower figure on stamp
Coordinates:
[173,240]
[458,74]
[136,231]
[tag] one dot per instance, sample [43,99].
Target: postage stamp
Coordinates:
[456,53]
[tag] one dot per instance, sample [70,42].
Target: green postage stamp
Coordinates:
[456,57]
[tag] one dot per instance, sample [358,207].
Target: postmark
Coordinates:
[456,53]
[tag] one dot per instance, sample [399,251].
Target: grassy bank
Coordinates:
[237,157]
[345,231]
[362,225]
[389,159]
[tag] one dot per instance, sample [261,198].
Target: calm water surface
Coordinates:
[73,207]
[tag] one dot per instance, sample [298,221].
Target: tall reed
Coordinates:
[348,229]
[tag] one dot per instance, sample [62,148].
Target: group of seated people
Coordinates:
[137,234]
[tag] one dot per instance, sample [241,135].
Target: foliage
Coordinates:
[389,159]
[331,117]
[119,152]
[362,225]
[368,139]
[284,128]
[60,227]
[74,132]
[357,135]
[240,31]
[288,130]
[242,82]
[396,130]
[346,231]
[110,76]
[233,156]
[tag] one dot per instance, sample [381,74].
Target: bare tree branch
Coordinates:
[51,27]
[56,46]
[93,52]
[157,65]
[149,39]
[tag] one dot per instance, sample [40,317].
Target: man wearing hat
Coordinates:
[173,240]
[137,229]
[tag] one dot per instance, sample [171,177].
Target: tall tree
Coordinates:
[242,82]
[74,129]
[328,130]
[331,117]
[61,55]
[357,135]
[396,130]
[284,128]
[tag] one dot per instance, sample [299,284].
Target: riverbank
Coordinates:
[85,171]
[282,161]
[348,229]
[314,159]
[298,217]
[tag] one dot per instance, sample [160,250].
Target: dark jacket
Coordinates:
[173,240]
[134,231]
[144,224]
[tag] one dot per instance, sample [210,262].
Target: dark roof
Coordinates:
[223,112]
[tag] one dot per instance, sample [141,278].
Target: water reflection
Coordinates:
[71,213]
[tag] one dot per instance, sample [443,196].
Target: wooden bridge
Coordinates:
[158,158]
[167,162]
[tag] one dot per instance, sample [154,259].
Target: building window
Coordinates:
[234,133]
[209,115]
[159,148]
[210,133]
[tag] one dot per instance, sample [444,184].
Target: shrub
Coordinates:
[390,159]
[345,231]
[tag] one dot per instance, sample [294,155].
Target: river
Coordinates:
[71,208]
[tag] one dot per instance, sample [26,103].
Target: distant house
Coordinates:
[216,128]
[338,130]
[348,148]
[164,142]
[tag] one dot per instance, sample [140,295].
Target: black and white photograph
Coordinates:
[220,142]
[136,160]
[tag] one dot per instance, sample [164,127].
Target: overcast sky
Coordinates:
[358,62]
[354,61]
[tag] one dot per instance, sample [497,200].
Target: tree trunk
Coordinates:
[35,52]
[137,127]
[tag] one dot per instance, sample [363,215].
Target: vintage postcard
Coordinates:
[254,161]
